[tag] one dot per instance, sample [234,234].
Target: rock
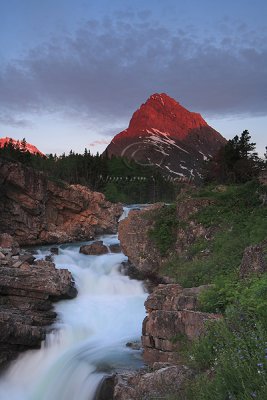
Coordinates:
[37,210]
[134,345]
[2,256]
[26,295]
[254,260]
[7,241]
[96,248]
[147,385]
[144,257]
[106,388]
[54,250]
[29,258]
[172,318]
[115,248]
[136,244]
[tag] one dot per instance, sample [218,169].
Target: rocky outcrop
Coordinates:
[155,384]
[27,290]
[136,244]
[115,248]
[142,252]
[164,134]
[189,231]
[254,261]
[96,248]
[35,209]
[172,318]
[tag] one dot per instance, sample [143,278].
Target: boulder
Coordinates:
[54,250]
[96,248]
[7,241]
[254,260]
[115,248]
[134,345]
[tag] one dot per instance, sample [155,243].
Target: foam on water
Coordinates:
[89,335]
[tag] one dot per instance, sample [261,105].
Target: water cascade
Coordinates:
[88,340]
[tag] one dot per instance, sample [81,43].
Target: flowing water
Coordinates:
[88,340]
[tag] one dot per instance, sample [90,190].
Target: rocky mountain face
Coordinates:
[37,210]
[19,143]
[164,134]
[27,289]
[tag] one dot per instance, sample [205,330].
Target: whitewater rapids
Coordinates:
[88,339]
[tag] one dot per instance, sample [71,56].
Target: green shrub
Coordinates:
[238,221]
[163,232]
[250,294]
[235,354]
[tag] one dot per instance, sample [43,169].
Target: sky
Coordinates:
[72,72]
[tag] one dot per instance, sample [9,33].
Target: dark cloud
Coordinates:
[109,66]
[9,120]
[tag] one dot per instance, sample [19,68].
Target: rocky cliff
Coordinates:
[173,317]
[137,244]
[143,255]
[35,209]
[27,289]
[165,134]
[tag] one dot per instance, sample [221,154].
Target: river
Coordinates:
[89,338]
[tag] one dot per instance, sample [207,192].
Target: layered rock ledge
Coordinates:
[27,289]
[172,318]
[49,211]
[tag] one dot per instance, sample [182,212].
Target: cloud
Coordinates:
[9,120]
[98,142]
[109,66]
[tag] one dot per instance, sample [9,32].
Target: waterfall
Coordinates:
[88,339]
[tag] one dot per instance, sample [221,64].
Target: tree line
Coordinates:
[123,181]
[236,162]
[129,182]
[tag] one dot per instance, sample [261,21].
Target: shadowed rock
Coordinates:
[35,209]
[96,248]
[27,290]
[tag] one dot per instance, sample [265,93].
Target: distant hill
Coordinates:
[19,143]
[165,134]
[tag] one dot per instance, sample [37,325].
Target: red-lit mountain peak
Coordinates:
[166,135]
[28,147]
[165,114]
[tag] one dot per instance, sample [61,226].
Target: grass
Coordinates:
[230,360]
[239,221]
[163,232]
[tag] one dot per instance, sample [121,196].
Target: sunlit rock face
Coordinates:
[165,134]
[18,143]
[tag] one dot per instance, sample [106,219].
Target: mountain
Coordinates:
[165,134]
[27,147]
